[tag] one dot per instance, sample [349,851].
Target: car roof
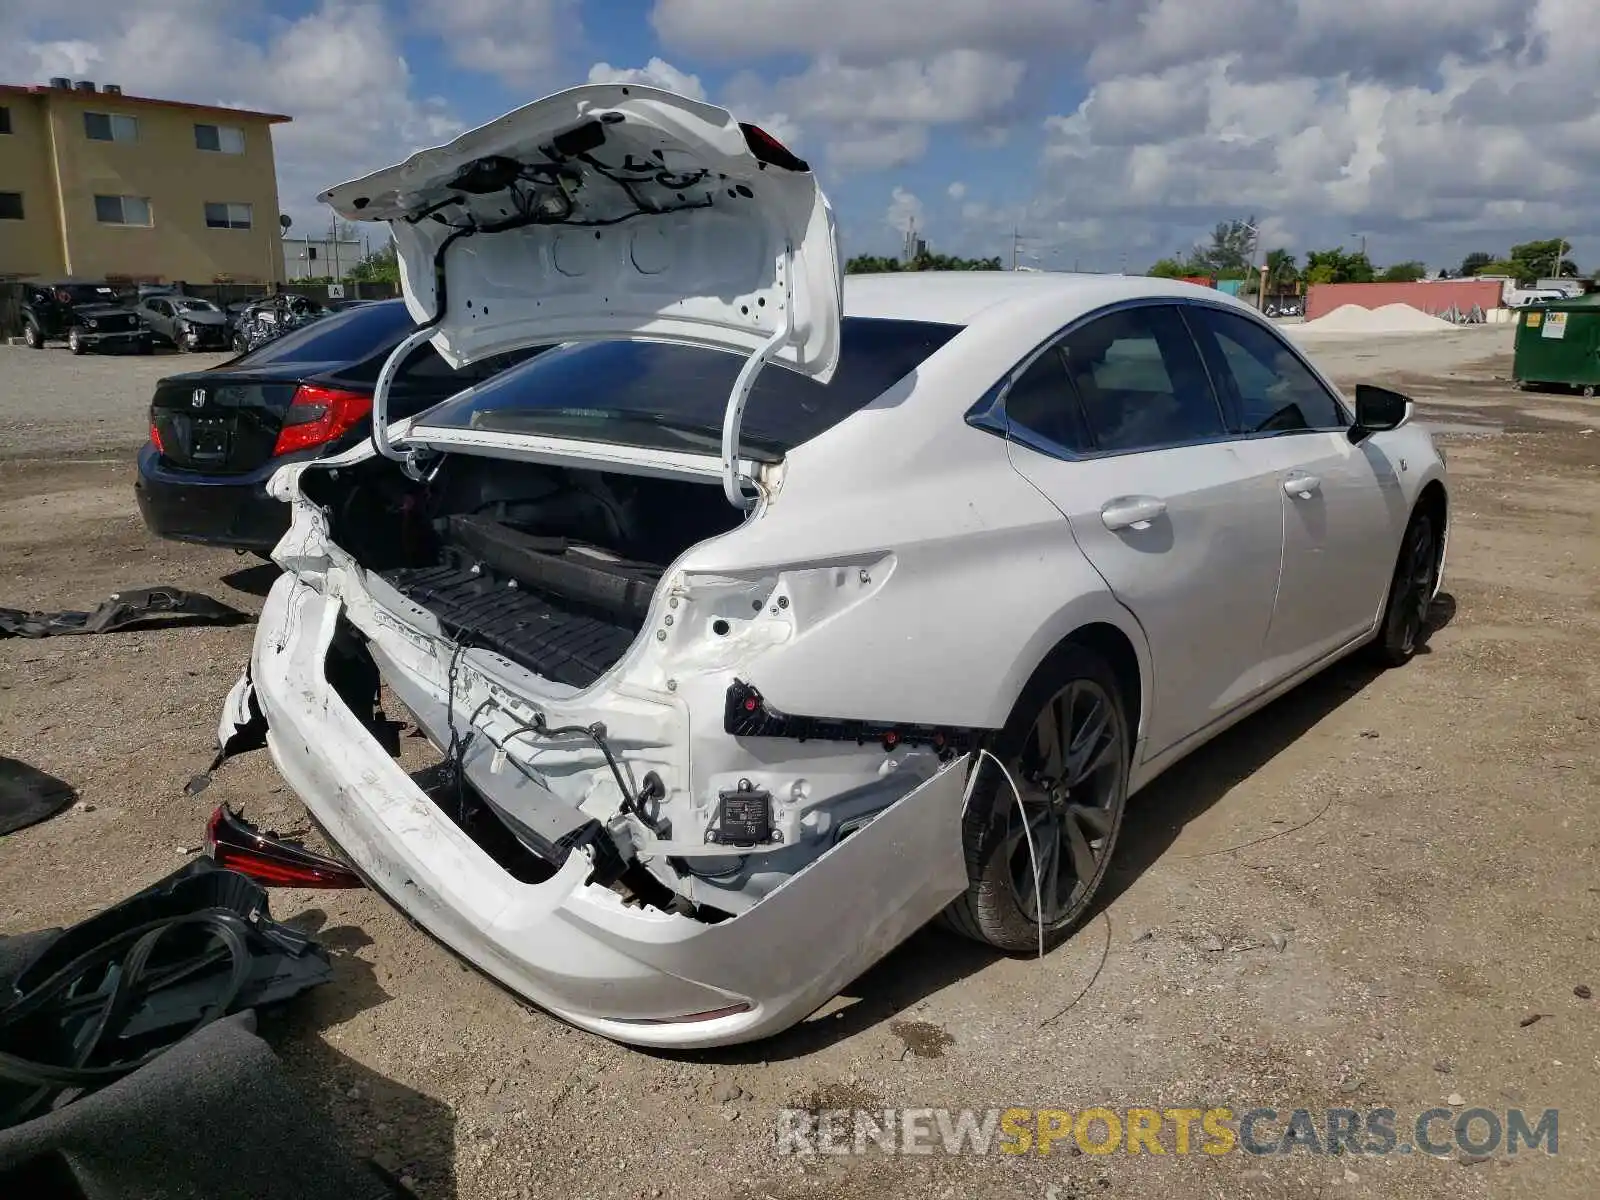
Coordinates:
[978,298]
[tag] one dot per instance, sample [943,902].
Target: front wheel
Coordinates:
[75,342]
[1068,748]
[32,336]
[1405,613]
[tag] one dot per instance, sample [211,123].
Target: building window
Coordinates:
[110,127]
[122,210]
[5,119]
[227,216]
[10,206]
[223,139]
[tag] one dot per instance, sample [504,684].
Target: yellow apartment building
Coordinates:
[95,184]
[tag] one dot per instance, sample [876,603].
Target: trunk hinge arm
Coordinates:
[380,400]
[733,416]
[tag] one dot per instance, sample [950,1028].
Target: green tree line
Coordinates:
[1228,255]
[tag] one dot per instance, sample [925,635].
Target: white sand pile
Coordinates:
[1391,318]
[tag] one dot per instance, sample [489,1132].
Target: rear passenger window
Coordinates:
[1041,402]
[1140,380]
[1273,389]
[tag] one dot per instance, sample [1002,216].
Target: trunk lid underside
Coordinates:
[612,211]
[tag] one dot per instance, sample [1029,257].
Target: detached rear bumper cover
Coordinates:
[627,973]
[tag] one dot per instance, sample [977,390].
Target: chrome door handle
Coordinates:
[1131,512]
[1301,486]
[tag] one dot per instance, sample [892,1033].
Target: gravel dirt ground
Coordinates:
[1358,898]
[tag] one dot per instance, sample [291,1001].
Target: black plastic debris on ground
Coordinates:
[84,1007]
[129,607]
[28,795]
[129,1067]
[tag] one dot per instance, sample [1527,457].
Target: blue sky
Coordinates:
[1106,131]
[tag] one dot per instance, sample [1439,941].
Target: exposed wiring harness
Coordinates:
[456,751]
[632,801]
[1027,833]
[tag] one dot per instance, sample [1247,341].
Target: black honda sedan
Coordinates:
[217,435]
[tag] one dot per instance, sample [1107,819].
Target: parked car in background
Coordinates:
[769,639]
[186,322]
[87,316]
[259,321]
[216,435]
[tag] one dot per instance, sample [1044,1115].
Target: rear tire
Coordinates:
[32,336]
[1068,747]
[1405,612]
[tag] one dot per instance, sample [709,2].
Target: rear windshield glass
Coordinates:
[338,337]
[672,397]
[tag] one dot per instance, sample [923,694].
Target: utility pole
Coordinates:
[1561,252]
[1016,247]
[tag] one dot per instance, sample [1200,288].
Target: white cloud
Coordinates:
[869,148]
[337,70]
[655,73]
[881,117]
[1433,130]
[881,30]
[519,41]
[905,212]
[957,190]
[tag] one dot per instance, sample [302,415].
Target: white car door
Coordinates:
[1118,426]
[1343,508]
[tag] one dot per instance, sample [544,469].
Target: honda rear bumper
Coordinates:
[232,511]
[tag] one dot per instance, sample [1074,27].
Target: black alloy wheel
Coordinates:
[1405,615]
[1068,750]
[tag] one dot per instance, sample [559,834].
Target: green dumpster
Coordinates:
[1558,343]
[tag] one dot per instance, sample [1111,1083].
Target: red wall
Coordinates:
[1433,298]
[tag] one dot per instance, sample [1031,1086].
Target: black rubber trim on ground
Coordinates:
[28,795]
[120,610]
[96,1002]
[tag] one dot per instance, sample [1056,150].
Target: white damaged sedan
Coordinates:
[768,617]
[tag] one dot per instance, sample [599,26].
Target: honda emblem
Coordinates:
[197,398]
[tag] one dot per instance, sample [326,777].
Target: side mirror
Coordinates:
[1378,409]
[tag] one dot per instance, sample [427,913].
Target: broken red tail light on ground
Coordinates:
[234,843]
[318,415]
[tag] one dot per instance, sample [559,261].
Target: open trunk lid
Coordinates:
[612,211]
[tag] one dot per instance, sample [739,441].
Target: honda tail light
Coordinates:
[318,415]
